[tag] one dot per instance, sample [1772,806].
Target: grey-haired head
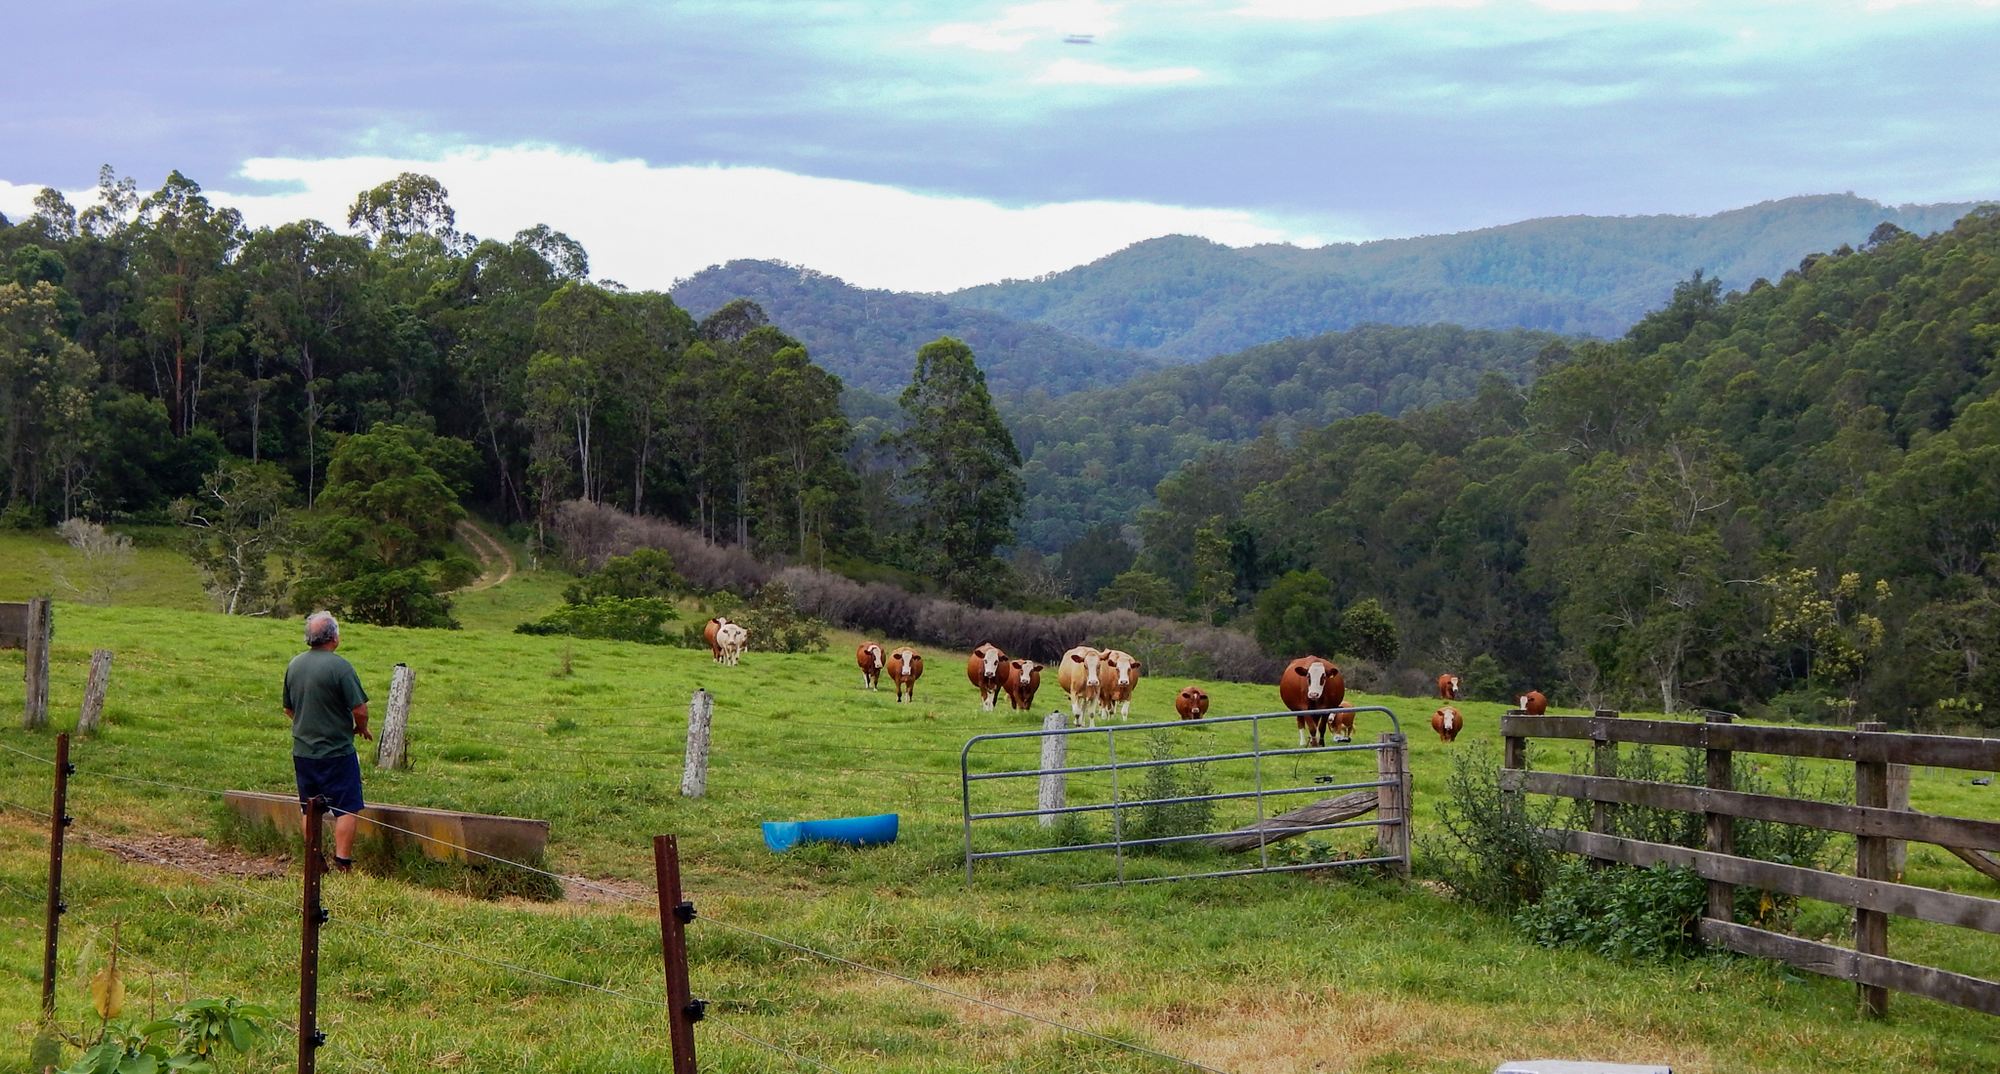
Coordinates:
[321,629]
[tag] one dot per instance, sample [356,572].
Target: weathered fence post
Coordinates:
[1899,798]
[1871,862]
[1055,752]
[93,692]
[694,769]
[392,750]
[35,707]
[59,821]
[311,916]
[1720,828]
[1604,764]
[676,912]
[1392,800]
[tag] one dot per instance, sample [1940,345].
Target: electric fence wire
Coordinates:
[42,813]
[50,761]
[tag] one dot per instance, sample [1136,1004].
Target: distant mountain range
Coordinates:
[1179,299]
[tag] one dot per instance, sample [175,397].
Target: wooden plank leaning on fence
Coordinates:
[1874,820]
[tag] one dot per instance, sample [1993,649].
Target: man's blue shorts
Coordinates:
[336,778]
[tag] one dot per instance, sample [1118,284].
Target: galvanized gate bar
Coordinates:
[1117,805]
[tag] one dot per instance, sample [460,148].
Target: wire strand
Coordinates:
[807,1059]
[42,813]
[50,761]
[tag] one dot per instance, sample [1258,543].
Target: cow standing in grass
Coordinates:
[730,641]
[983,667]
[1314,682]
[1121,676]
[906,667]
[1078,675]
[1191,703]
[1447,723]
[709,634]
[1448,687]
[1023,678]
[869,656]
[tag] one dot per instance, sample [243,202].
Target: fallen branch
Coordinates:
[1268,831]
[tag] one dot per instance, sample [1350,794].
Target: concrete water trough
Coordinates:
[440,832]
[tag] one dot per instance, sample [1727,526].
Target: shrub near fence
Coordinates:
[592,533]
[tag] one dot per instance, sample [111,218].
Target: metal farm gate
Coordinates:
[1235,763]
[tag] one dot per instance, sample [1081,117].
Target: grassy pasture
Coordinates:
[1340,973]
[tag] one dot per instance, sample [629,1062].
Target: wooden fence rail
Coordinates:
[1872,892]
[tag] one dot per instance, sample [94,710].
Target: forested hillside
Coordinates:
[1093,458]
[1183,298]
[1791,493]
[869,337]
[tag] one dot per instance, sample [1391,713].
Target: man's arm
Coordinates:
[292,716]
[361,721]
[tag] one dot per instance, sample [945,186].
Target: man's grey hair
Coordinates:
[321,628]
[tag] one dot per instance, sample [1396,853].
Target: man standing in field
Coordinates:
[327,707]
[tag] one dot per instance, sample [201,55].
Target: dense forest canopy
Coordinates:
[1183,298]
[867,336]
[1788,493]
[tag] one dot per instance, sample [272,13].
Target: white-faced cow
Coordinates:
[730,640]
[983,667]
[1078,675]
[708,634]
[868,656]
[1023,678]
[1448,687]
[1313,682]
[1121,675]
[1534,704]
[906,667]
[1447,723]
[1191,703]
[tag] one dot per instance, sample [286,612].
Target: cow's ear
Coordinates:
[1076,658]
[1136,665]
[1299,671]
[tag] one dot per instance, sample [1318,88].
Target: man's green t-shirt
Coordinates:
[321,690]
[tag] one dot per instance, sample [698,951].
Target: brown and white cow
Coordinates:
[906,667]
[868,656]
[1447,723]
[1078,675]
[1120,673]
[983,667]
[1448,687]
[1313,682]
[1534,704]
[708,634]
[1191,702]
[1023,678]
[730,641]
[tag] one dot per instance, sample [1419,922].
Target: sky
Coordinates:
[932,146]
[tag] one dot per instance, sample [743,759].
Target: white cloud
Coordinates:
[17,200]
[1341,9]
[1079,73]
[647,226]
[1019,25]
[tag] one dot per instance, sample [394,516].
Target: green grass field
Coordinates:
[1334,972]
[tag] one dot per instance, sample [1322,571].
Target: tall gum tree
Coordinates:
[966,472]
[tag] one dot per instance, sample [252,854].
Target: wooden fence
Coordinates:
[1873,891]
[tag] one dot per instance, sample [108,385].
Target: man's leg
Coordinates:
[343,835]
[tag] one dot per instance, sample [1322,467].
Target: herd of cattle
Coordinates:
[1100,682]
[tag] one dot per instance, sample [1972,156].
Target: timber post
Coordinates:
[93,692]
[40,628]
[1053,785]
[1603,764]
[1719,828]
[694,769]
[392,750]
[311,916]
[676,912]
[1871,862]
[1899,799]
[1392,800]
[59,822]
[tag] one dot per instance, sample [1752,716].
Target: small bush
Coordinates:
[1161,656]
[1170,819]
[775,624]
[1636,915]
[639,619]
[1492,852]
[648,572]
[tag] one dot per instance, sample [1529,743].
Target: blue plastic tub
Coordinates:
[783,835]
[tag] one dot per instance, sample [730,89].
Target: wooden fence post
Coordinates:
[676,912]
[1392,801]
[1899,798]
[1871,862]
[94,691]
[59,820]
[1720,828]
[392,750]
[35,708]
[1603,762]
[694,769]
[1055,752]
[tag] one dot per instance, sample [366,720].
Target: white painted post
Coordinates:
[392,750]
[94,691]
[1055,749]
[694,770]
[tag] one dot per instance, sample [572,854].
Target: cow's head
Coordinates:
[1315,674]
[1126,668]
[1089,658]
[1451,687]
[1196,700]
[1523,702]
[1026,670]
[875,656]
[989,661]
